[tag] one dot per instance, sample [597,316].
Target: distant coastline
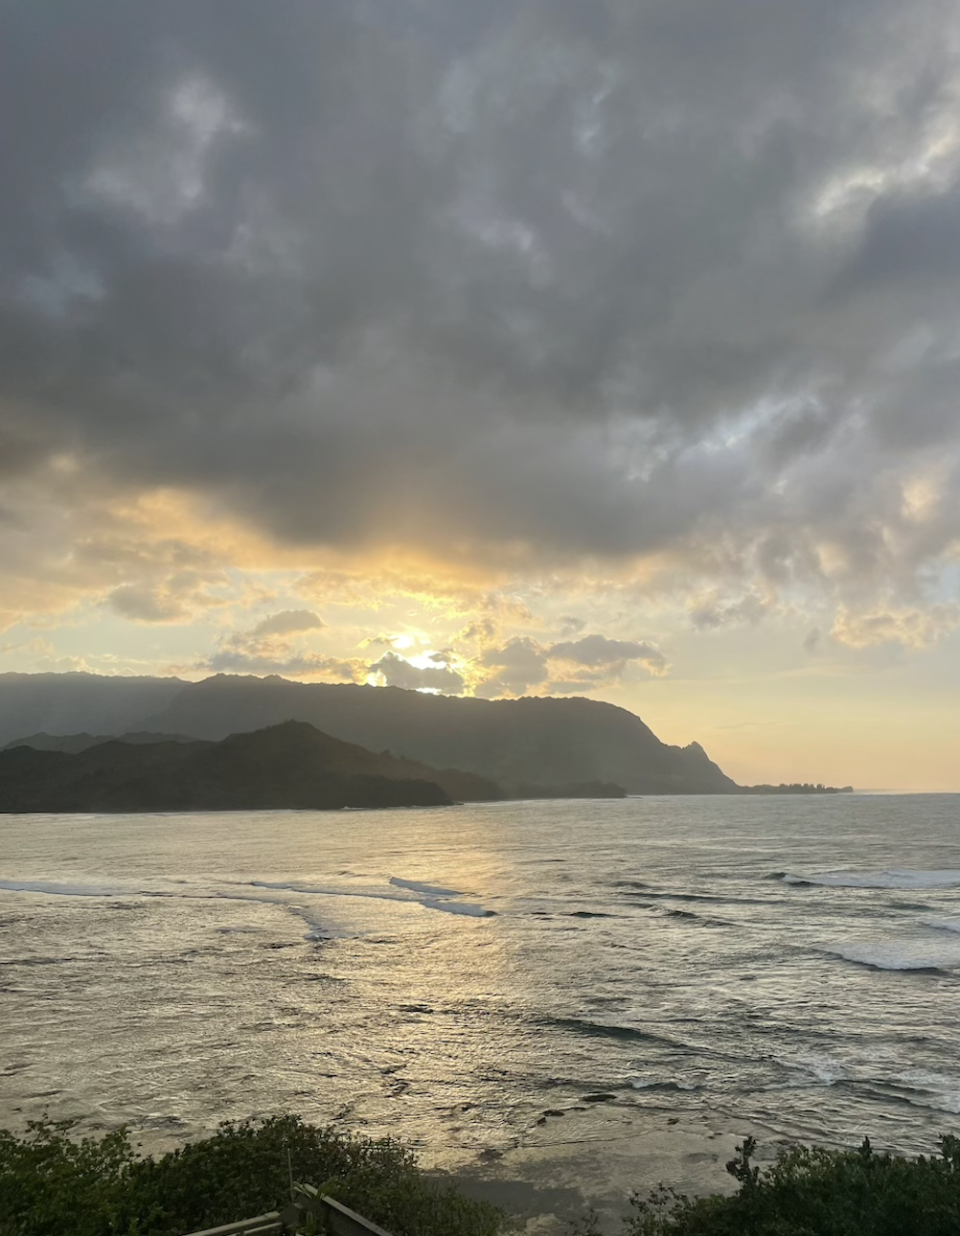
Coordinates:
[796,787]
[88,742]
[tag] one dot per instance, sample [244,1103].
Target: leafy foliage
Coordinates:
[53,1185]
[817,1192]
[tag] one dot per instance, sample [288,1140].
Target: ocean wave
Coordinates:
[403,896]
[822,1070]
[433,890]
[65,890]
[321,890]
[317,931]
[942,924]
[903,955]
[896,878]
[667,1085]
[894,1091]
[696,920]
[606,1030]
[711,898]
[927,1088]
[458,907]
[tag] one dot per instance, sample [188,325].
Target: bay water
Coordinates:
[448,975]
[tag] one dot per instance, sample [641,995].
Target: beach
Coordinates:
[595,1157]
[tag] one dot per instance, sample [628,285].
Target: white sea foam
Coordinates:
[457,907]
[432,890]
[317,930]
[694,1081]
[938,1090]
[332,890]
[898,955]
[823,1070]
[437,898]
[897,878]
[942,924]
[65,890]
[315,890]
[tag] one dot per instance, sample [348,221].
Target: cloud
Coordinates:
[272,646]
[711,612]
[231,659]
[145,604]
[160,596]
[522,663]
[598,652]
[519,665]
[395,671]
[288,622]
[905,628]
[813,641]
[417,276]
[570,625]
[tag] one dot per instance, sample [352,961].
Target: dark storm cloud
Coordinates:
[590,277]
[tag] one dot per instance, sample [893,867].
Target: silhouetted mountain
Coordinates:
[73,744]
[530,741]
[345,758]
[292,765]
[69,703]
[525,742]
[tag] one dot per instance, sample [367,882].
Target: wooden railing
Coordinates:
[342,1221]
[262,1225]
[338,1220]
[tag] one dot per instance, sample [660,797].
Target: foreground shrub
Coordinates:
[815,1192]
[52,1185]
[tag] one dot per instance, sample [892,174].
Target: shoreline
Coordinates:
[595,1158]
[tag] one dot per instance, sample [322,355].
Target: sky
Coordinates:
[599,347]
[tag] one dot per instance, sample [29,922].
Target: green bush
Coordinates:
[816,1192]
[53,1185]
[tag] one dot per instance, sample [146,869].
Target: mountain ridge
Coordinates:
[288,766]
[527,741]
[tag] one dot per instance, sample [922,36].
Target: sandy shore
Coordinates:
[594,1156]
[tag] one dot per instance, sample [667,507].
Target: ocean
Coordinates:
[449,975]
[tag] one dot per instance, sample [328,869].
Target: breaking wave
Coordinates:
[606,1030]
[897,878]
[65,890]
[433,897]
[903,955]
[433,890]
